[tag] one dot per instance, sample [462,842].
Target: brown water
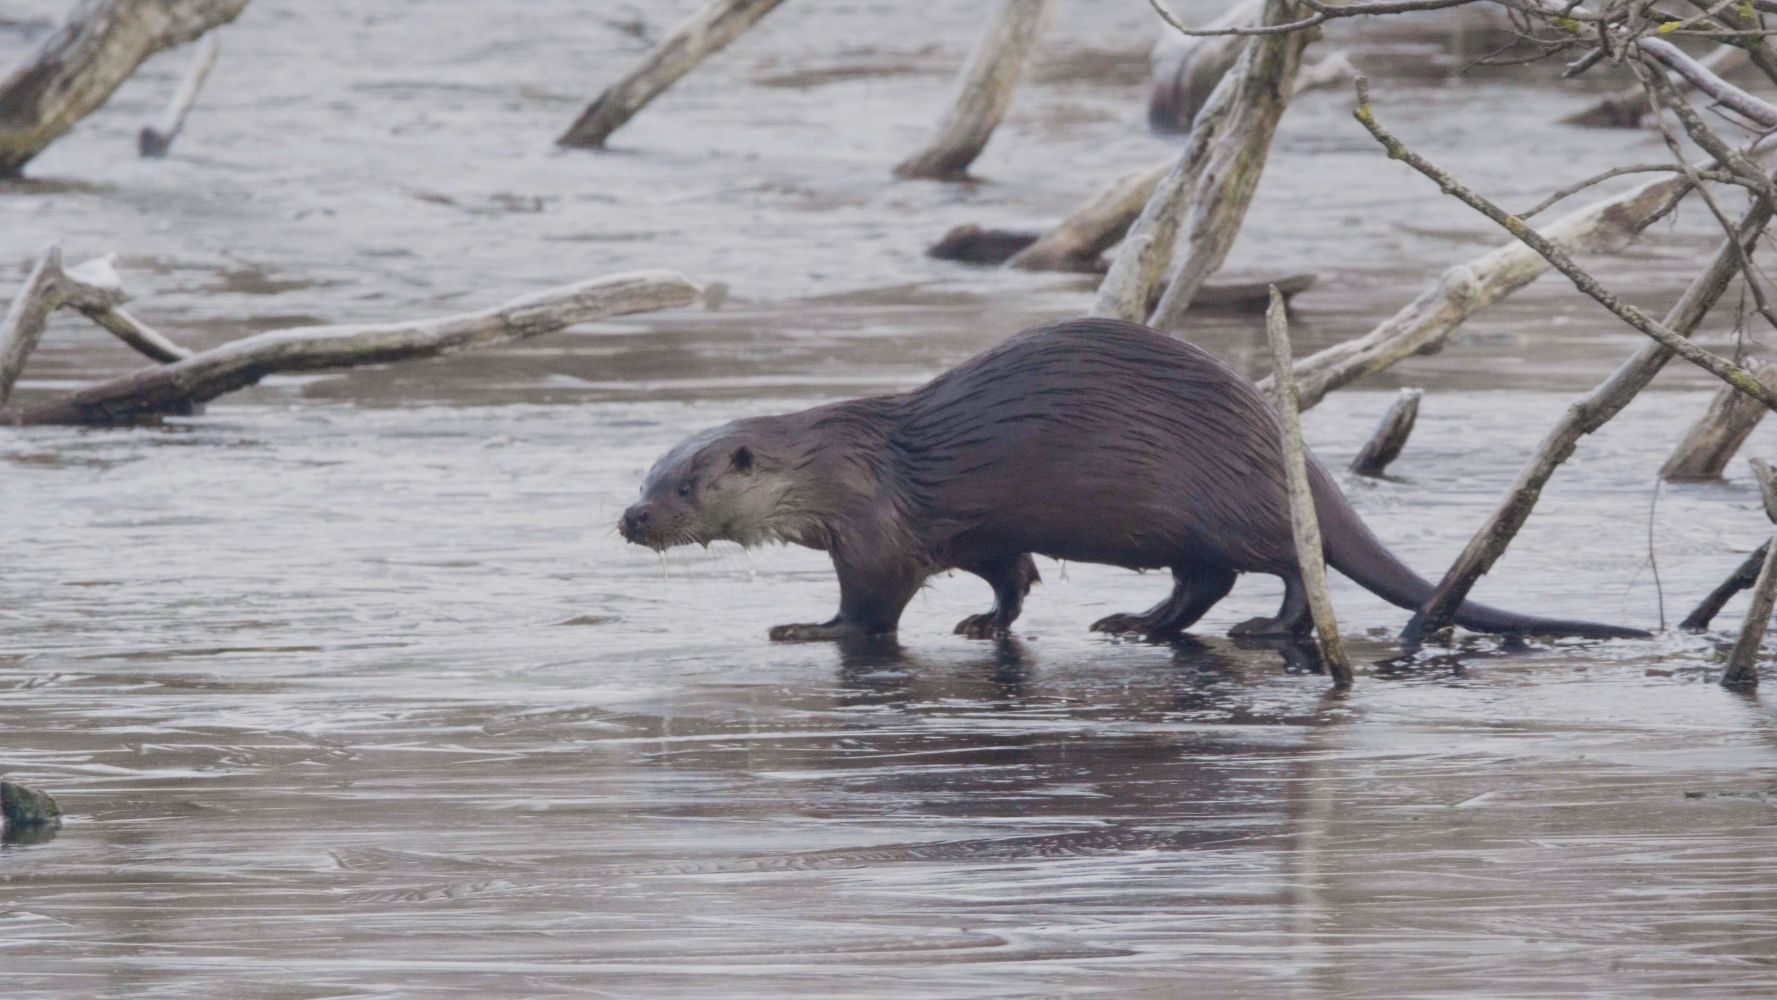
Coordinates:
[349,688]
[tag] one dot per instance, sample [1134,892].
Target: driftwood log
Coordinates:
[983,91]
[693,40]
[1713,440]
[1742,672]
[1421,326]
[1390,436]
[1146,253]
[77,67]
[185,384]
[1079,241]
[154,140]
[1304,522]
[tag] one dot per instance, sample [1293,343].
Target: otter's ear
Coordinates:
[742,459]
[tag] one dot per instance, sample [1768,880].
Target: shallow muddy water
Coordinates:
[350,689]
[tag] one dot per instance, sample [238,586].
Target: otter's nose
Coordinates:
[634,519]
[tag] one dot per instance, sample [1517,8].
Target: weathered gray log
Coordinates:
[78,66]
[1185,69]
[1744,576]
[983,91]
[1584,416]
[1421,326]
[1627,107]
[1742,672]
[1713,440]
[180,387]
[23,806]
[1145,255]
[154,140]
[1078,241]
[1219,204]
[1390,436]
[94,289]
[1304,522]
[693,40]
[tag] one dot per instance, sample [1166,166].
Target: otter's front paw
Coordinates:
[1123,624]
[1262,628]
[985,626]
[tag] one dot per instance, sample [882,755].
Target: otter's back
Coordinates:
[1098,440]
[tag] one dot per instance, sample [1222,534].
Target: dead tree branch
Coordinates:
[1304,523]
[1744,576]
[1663,334]
[696,38]
[76,68]
[154,140]
[181,387]
[983,91]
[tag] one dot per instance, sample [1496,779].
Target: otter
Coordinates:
[1089,440]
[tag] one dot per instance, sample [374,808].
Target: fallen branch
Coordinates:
[1304,524]
[1627,107]
[693,40]
[1744,576]
[1219,204]
[983,91]
[1742,672]
[181,387]
[1661,333]
[1421,326]
[154,140]
[1713,440]
[1584,416]
[1390,436]
[76,68]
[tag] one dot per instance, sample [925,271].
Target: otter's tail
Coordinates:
[1354,550]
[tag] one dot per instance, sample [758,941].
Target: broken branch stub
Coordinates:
[154,140]
[1744,576]
[77,67]
[1713,440]
[983,91]
[1384,446]
[180,387]
[1078,241]
[702,34]
[1627,107]
[1304,523]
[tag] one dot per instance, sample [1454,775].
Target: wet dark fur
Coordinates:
[1089,440]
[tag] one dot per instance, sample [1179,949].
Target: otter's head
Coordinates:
[720,485]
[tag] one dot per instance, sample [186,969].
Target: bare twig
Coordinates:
[1304,524]
[1673,341]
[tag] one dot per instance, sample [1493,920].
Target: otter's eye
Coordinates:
[685,488]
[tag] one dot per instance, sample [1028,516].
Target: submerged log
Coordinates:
[1078,242]
[154,140]
[76,68]
[983,91]
[1390,436]
[184,385]
[706,32]
[1742,672]
[1713,440]
[1304,523]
